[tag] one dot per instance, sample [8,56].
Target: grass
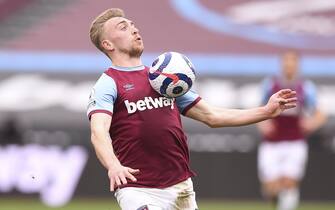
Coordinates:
[105,204]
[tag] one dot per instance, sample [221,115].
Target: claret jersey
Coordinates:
[288,123]
[146,128]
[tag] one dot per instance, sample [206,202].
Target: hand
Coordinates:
[280,101]
[119,174]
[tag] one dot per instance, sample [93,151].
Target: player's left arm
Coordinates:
[220,117]
[267,127]
[315,117]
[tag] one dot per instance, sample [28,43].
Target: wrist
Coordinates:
[265,113]
[114,164]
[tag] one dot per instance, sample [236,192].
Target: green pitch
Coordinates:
[104,204]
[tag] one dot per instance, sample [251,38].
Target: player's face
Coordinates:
[123,36]
[290,65]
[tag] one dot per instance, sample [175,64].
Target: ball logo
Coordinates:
[173,77]
[305,24]
[149,103]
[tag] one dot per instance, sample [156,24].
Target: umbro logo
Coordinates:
[128,86]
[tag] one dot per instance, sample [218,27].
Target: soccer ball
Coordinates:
[171,74]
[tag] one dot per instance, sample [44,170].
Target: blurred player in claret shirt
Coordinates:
[137,134]
[283,152]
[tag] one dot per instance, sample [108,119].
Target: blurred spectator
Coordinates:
[283,152]
[10,132]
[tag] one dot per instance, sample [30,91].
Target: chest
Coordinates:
[297,86]
[133,86]
[135,95]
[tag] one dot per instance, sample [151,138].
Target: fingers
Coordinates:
[120,178]
[292,100]
[123,179]
[285,92]
[134,171]
[130,174]
[289,100]
[112,186]
[290,105]
[116,181]
[289,95]
[282,100]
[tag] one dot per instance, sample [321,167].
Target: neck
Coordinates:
[125,60]
[291,77]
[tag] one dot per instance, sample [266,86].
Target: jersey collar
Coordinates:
[134,68]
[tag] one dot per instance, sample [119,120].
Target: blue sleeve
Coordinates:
[266,90]
[186,101]
[103,96]
[310,96]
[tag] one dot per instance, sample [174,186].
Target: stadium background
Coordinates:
[48,66]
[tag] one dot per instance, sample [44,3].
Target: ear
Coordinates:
[108,45]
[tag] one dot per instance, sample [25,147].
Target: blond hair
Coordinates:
[97,25]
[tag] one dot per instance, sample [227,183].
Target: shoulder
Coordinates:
[105,80]
[110,73]
[308,83]
[105,85]
[309,87]
[269,82]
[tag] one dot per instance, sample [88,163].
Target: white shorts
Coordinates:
[282,159]
[177,197]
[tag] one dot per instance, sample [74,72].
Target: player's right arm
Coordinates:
[314,117]
[100,109]
[100,138]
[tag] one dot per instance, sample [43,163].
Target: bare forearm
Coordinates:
[319,119]
[238,117]
[314,122]
[104,150]
[101,140]
[220,117]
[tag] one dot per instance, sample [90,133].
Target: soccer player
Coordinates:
[282,154]
[137,134]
